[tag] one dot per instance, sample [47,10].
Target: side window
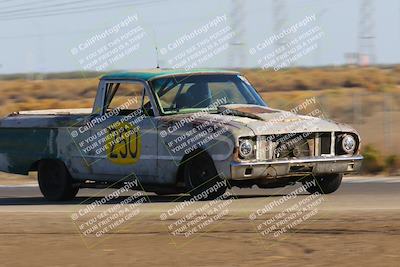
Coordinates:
[127,98]
[147,105]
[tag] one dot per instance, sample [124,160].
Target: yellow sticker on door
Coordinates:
[123,143]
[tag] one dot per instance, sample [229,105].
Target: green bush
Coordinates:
[392,164]
[372,162]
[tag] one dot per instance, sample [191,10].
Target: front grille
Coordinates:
[325,139]
[295,145]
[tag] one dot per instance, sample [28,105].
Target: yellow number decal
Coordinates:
[123,143]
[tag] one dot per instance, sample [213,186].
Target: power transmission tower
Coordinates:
[366,37]
[237,56]
[280,23]
[279,16]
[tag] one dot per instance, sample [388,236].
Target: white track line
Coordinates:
[19,185]
[355,180]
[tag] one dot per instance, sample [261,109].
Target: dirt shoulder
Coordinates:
[14,179]
[330,238]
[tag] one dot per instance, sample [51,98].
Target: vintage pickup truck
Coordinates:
[175,131]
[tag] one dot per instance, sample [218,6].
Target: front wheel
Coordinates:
[202,179]
[325,184]
[55,182]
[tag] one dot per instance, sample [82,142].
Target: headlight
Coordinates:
[348,144]
[246,148]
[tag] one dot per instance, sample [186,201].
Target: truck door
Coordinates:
[126,132]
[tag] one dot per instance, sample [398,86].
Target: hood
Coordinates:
[258,120]
[264,120]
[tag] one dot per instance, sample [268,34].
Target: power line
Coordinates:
[24,36]
[40,8]
[25,4]
[74,10]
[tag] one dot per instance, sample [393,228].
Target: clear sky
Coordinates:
[31,41]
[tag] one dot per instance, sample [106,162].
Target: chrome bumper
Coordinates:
[295,167]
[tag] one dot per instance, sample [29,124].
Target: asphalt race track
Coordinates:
[354,194]
[357,225]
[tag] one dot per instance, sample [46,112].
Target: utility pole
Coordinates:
[366,36]
[237,54]
[279,16]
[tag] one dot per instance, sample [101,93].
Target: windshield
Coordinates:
[183,94]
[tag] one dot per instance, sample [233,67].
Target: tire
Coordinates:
[55,182]
[202,179]
[326,184]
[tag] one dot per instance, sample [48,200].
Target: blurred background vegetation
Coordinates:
[366,98]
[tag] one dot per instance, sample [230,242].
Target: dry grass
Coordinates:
[373,79]
[43,94]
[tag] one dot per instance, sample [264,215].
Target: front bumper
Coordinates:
[295,167]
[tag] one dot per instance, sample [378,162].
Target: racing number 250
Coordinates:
[123,143]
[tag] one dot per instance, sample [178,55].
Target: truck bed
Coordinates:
[27,136]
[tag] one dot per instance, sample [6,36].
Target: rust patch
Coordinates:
[254,110]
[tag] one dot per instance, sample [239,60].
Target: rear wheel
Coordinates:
[55,182]
[326,184]
[202,178]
